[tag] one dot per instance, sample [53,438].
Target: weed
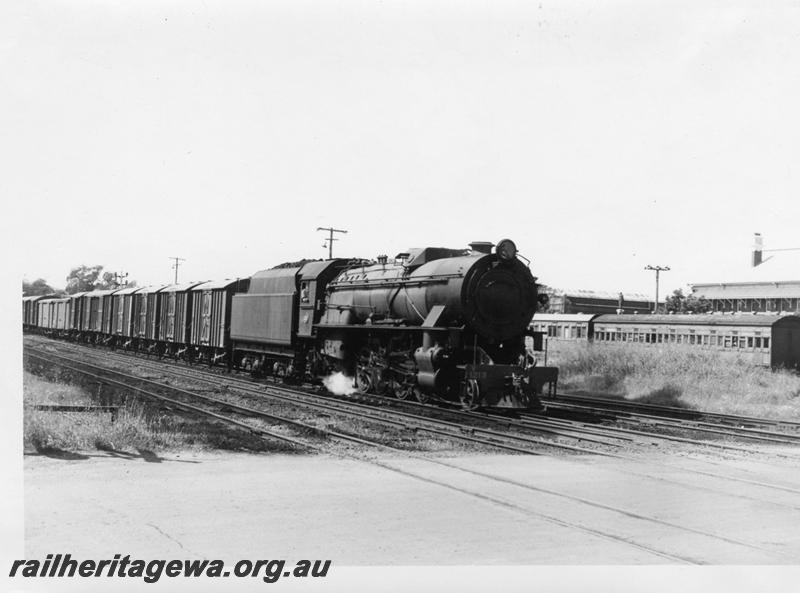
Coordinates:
[676,376]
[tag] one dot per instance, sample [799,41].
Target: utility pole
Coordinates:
[330,238]
[657,270]
[176,265]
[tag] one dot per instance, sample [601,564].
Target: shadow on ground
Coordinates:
[63,455]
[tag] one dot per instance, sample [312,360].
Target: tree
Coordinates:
[543,299]
[36,288]
[679,303]
[83,278]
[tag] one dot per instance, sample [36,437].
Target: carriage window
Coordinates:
[750,342]
[705,340]
[766,342]
[735,342]
[727,342]
[758,342]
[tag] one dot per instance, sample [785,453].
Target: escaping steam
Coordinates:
[339,384]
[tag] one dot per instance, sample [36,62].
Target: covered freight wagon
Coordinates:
[210,319]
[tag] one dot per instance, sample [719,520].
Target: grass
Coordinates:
[676,376]
[138,430]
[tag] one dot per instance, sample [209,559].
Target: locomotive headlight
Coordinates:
[506,250]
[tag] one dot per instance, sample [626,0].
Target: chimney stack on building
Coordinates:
[758,247]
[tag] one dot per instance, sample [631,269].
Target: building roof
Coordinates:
[565,317]
[779,266]
[597,294]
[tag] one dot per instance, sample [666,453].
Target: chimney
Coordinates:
[758,246]
[481,246]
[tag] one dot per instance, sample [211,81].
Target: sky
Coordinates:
[601,137]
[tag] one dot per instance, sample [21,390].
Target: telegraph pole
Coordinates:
[330,238]
[176,265]
[120,279]
[657,270]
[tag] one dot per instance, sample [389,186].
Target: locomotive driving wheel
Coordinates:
[403,391]
[470,394]
[421,396]
[363,380]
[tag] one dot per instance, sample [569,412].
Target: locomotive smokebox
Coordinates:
[499,297]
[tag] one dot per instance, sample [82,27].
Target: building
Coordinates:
[592,301]
[771,284]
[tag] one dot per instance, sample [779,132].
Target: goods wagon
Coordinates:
[146,317]
[122,323]
[97,310]
[174,310]
[30,310]
[210,320]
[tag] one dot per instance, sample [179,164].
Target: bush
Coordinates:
[673,375]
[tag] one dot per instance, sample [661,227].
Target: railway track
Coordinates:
[597,434]
[627,528]
[592,433]
[393,418]
[645,410]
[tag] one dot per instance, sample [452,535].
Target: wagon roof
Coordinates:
[180,287]
[742,319]
[130,290]
[97,293]
[154,288]
[37,297]
[215,284]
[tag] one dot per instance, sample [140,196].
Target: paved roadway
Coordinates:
[233,506]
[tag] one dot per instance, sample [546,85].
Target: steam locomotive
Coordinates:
[432,324]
